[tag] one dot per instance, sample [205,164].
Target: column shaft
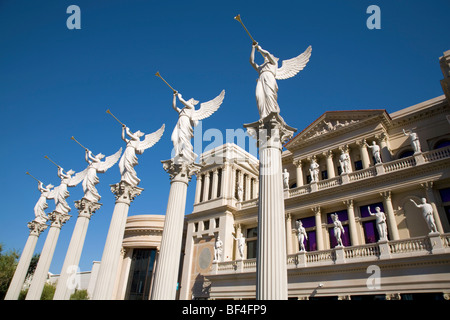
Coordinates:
[330,164]
[352,222]
[365,159]
[43,266]
[392,223]
[299,172]
[67,282]
[289,247]
[111,253]
[167,269]
[271,261]
[319,231]
[166,275]
[25,259]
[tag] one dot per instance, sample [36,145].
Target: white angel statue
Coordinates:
[267,88]
[96,166]
[135,146]
[60,193]
[188,117]
[41,204]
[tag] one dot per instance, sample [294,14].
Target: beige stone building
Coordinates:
[413,263]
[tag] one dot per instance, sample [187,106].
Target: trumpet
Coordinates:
[108,111]
[159,75]
[238,18]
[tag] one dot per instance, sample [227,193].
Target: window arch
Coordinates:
[405,153]
[441,144]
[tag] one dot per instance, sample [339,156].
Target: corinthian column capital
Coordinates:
[58,219]
[86,208]
[180,170]
[36,228]
[125,192]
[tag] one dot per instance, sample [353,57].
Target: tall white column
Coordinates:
[215,182]
[352,222]
[43,266]
[271,266]
[198,188]
[392,223]
[365,159]
[106,278]
[299,172]
[319,230]
[206,187]
[66,283]
[289,247]
[20,274]
[330,165]
[167,270]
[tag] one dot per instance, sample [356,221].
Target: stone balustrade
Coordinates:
[433,243]
[388,167]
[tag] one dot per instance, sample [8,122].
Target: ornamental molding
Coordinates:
[335,123]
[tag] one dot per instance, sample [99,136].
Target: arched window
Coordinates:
[406,153]
[442,144]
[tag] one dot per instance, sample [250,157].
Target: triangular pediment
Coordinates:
[335,122]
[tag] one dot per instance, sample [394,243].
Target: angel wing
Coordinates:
[150,139]
[77,178]
[109,161]
[208,108]
[52,194]
[291,67]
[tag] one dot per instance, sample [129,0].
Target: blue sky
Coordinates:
[56,83]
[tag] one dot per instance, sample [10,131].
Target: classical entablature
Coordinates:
[336,123]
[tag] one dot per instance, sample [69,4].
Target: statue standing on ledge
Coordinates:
[375,151]
[427,211]
[285,179]
[415,143]
[314,170]
[338,230]
[218,249]
[380,221]
[301,235]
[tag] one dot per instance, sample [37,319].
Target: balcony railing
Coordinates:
[388,167]
[433,243]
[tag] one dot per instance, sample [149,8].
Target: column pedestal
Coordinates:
[66,285]
[271,266]
[124,194]
[40,274]
[20,274]
[167,269]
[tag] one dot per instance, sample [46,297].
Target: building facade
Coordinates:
[346,164]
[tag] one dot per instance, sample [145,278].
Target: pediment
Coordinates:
[335,122]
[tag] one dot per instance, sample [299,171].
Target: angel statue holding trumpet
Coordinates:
[134,146]
[95,165]
[269,73]
[188,118]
